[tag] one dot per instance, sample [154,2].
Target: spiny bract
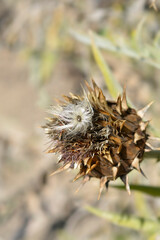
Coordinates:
[105,139]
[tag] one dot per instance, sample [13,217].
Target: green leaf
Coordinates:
[113,86]
[150,190]
[157,40]
[104,43]
[123,220]
[138,34]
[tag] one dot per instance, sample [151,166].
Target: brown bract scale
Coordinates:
[104,139]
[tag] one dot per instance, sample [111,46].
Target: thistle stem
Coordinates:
[153,154]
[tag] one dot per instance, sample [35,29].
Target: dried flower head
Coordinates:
[105,139]
[75,117]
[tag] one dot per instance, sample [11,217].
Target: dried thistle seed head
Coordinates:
[73,118]
[105,139]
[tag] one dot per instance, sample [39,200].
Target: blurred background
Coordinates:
[43,55]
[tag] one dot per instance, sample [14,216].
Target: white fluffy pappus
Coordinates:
[75,118]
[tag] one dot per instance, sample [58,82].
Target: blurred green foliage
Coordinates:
[148,226]
[134,46]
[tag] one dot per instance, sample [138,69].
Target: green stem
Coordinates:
[153,154]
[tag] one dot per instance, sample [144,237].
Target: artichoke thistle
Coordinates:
[104,139]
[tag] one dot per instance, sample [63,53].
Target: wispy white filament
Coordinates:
[74,118]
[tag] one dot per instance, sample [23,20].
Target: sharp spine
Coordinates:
[60,169]
[142,111]
[114,171]
[135,164]
[124,100]
[124,179]
[103,181]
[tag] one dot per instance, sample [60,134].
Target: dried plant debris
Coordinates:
[104,139]
[153,5]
